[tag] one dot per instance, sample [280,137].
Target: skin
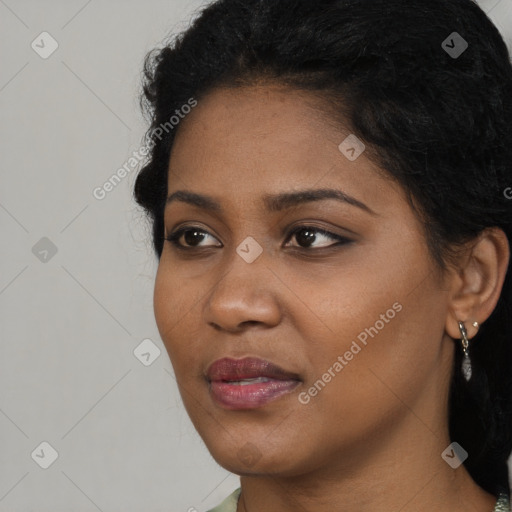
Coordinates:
[372,438]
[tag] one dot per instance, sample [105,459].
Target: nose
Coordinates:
[245,295]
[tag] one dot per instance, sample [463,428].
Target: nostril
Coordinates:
[250,322]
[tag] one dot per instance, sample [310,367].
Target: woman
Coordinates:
[329,187]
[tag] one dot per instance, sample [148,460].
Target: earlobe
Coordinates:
[477,285]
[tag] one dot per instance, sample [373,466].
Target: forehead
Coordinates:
[260,121]
[253,141]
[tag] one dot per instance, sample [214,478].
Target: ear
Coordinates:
[476,282]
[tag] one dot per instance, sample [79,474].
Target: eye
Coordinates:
[309,235]
[306,237]
[192,237]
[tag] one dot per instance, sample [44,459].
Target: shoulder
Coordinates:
[229,504]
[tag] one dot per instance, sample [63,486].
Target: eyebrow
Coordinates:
[273,202]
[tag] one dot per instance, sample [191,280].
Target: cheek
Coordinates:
[384,317]
[164,303]
[389,342]
[358,301]
[173,305]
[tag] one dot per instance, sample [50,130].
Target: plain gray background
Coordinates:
[71,320]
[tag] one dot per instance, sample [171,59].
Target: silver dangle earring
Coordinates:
[466,361]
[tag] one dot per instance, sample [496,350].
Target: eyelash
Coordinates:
[174,237]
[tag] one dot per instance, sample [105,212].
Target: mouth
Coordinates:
[248,383]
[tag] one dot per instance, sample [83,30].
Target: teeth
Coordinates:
[244,382]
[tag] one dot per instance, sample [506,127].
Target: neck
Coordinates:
[401,470]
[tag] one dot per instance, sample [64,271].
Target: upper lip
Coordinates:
[229,369]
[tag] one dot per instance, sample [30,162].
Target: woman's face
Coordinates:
[340,293]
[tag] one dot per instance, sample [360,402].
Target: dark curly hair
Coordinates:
[438,123]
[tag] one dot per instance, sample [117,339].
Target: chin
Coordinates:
[245,457]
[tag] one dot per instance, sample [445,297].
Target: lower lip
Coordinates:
[250,396]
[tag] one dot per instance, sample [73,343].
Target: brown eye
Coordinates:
[306,236]
[191,236]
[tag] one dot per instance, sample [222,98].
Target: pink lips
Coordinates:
[248,383]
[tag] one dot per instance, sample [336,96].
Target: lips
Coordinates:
[248,383]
